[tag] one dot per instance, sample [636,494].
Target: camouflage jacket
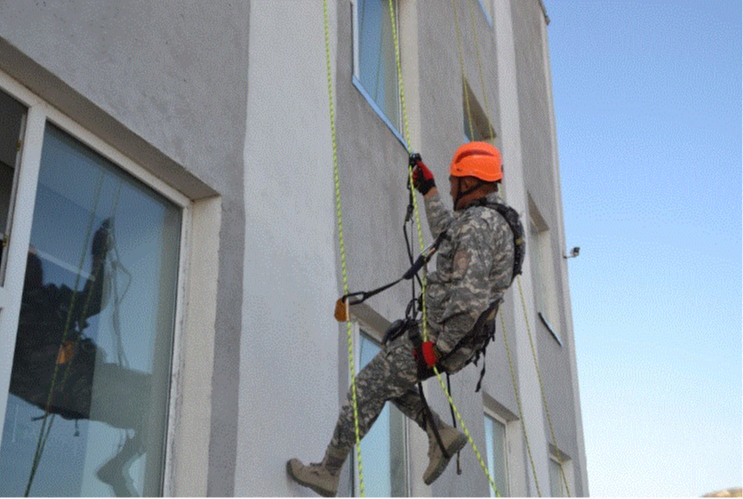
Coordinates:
[474,264]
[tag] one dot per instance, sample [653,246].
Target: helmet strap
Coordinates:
[461,193]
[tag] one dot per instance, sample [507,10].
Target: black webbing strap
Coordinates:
[423,258]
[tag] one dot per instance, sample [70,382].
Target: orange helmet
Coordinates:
[479,160]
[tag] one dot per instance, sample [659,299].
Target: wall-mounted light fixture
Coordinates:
[573,253]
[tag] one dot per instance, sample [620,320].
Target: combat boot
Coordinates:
[453,441]
[321,477]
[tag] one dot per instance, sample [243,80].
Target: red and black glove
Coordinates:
[422,176]
[426,357]
[431,354]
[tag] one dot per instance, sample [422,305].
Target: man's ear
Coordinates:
[468,183]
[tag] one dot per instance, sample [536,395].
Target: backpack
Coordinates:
[519,241]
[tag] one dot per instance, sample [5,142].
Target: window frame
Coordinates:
[360,328]
[20,220]
[471,109]
[564,465]
[356,78]
[5,236]
[544,276]
[508,436]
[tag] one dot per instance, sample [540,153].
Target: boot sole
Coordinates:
[316,488]
[455,447]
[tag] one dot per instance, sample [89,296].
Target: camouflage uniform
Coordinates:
[473,269]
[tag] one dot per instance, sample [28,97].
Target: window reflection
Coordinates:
[383,447]
[88,400]
[495,440]
[377,64]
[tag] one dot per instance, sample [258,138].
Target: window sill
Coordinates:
[550,328]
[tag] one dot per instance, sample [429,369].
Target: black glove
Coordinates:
[422,177]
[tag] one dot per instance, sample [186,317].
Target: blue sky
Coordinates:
[647,99]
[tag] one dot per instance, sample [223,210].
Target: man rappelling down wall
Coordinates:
[477,261]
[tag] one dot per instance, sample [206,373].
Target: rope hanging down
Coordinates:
[341,244]
[491,132]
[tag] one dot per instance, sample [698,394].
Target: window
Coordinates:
[375,66]
[383,448]
[560,469]
[543,274]
[87,409]
[487,10]
[477,126]
[497,454]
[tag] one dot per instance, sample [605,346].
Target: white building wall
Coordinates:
[516,195]
[289,361]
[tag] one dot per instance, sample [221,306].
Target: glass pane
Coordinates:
[556,487]
[495,439]
[377,65]
[89,386]
[382,448]
[12,117]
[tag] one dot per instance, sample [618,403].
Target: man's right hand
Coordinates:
[422,177]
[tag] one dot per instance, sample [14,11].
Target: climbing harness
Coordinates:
[513,220]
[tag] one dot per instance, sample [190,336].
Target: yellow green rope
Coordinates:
[523,303]
[541,389]
[518,405]
[470,121]
[466,431]
[45,430]
[424,319]
[341,245]
[406,131]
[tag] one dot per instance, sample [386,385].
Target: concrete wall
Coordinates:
[229,101]
[372,164]
[166,83]
[289,360]
[541,174]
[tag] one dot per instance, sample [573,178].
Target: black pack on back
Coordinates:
[519,241]
[484,330]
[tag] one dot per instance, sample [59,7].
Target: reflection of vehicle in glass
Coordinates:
[56,366]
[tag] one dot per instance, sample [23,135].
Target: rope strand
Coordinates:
[424,318]
[341,246]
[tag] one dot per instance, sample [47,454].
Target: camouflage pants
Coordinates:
[391,375]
